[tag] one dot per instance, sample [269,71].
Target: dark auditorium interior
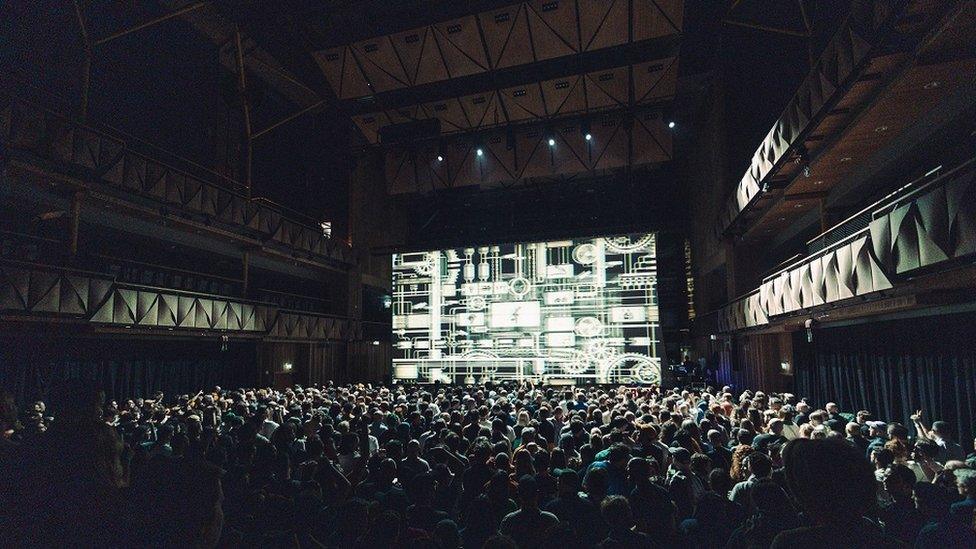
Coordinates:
[488,273]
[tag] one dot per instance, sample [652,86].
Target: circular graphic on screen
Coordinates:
[476,303]
[630,368]
[519,286]
[589,326]
[426,267]
[483,361]
[628,244]
[584,254]
[579,362]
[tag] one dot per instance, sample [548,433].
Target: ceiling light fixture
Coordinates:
[932,85]
[552,142]
[587,137]
[881,129]
[671,124]
[440,158]
[480,152]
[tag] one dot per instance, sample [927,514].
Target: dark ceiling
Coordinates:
[166,85]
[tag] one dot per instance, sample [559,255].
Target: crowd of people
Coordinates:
[497,466]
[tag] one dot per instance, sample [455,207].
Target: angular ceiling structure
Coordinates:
[524,84]
[520,34]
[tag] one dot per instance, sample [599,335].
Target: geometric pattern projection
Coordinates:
[519,34]
[104,159]
[580,309]
[44,292]
[933,227]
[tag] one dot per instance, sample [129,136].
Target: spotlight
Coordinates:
[440,158]
[552,142]
[480,152]
[671,124]
[587,137]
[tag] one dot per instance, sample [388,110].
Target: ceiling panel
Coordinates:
[656,18]
[507,36]
[523,102]
[380,63]
[603,23]
[607,89]
[460,45]
[655,80]
[564,95]
[553,27]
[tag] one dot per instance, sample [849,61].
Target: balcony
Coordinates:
[924,227]
[42,141]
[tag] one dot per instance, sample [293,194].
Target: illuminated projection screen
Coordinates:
[583,310]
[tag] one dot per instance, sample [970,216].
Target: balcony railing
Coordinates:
[920,226]
[42,291]
[82,151]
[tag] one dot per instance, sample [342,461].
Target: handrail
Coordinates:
[121,135]
[49,267]
[299,296]
[305,221]
[882,206]
[165,268]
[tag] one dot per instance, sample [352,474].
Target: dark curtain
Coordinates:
[123,369]
[895,368]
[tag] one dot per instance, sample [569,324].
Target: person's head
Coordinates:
[618,456]
[769,499]
[776,426]
[942,430]
[898,431]
[413,448]
[899,481]
[720,482]
[830,479]
[616,512]
[966,482]
[446,535]
[832,408]
[681,459]
[638,470]
[568,483]
[596,482]
[882,458]
[528,491]
[759,465]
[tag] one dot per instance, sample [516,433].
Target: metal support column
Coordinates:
[74,222]
[246,110]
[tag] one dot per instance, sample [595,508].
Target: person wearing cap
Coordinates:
[581,514]
[529,524]
[941,435]
[877,435]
